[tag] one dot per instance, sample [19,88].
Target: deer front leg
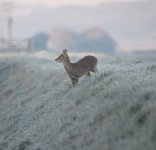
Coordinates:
[88,74]
[74,81]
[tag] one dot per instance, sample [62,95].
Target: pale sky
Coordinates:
[65,2]
[131,24]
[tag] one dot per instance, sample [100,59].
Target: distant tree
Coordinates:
[62,38]
[94,39]
[39,41]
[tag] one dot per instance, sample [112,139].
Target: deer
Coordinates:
[78,69]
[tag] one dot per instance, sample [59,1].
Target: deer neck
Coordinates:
[67,64]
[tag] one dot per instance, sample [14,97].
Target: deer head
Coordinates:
[62,57]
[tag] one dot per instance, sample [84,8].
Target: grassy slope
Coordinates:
[113,109]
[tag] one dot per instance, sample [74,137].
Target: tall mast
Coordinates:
[8,9]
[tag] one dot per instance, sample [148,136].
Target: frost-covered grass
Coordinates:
[114,109]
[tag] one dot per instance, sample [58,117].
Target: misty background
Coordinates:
[113,109]
[101,26]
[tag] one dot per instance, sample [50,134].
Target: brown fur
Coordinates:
[78,69]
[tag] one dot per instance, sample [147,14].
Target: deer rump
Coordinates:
[82,67]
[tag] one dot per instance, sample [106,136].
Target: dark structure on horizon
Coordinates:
[10,43]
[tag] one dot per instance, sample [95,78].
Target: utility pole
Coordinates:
[8,10]
[9,41]
[2,29]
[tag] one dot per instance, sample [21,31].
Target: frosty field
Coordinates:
[114,109]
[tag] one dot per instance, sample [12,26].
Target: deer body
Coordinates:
[78,69]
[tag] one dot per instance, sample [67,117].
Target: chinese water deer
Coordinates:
[76,70]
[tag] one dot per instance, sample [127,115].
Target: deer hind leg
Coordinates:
[74,81]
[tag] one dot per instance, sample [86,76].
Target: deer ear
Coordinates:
[65,51]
